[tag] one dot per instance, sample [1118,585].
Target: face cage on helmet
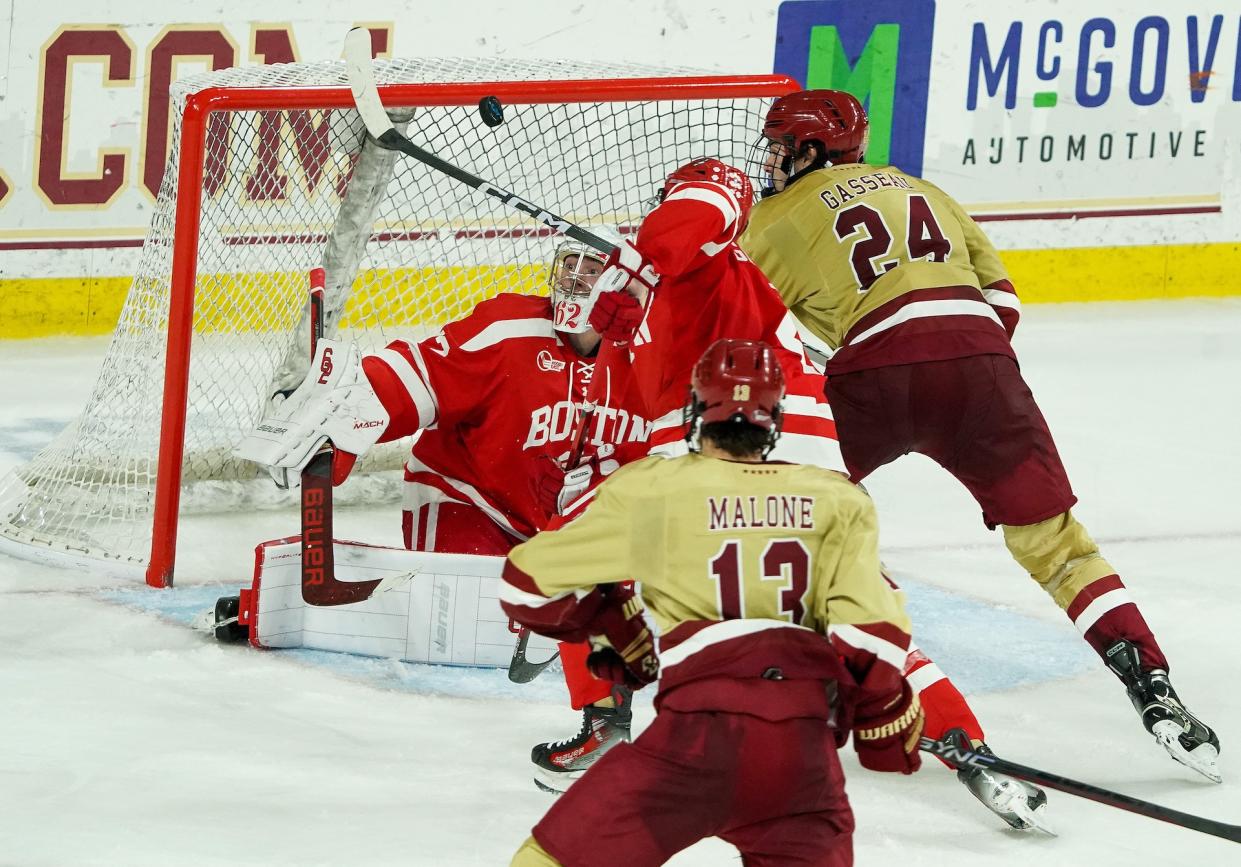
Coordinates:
[756,166]
[691,417]
[578,294]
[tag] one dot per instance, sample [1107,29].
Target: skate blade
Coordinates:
[1203,758]
[205,622]
[1011,803]
[555,782]
[1034,820]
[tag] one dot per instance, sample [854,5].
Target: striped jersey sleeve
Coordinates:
[447,377]
[997,289]
[696,219]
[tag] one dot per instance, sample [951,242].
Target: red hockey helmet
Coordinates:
[738,380]
[717,172]
[832,119]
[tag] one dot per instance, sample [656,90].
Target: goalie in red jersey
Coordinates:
[688,284]
[491,396]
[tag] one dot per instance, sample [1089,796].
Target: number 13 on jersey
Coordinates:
[775,590]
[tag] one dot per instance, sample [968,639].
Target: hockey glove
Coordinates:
[555,488]
[620,293]
[887,740]
[624,649]
[617,316]
[335,402]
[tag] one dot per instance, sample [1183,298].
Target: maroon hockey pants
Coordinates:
[973,416]
[774,790]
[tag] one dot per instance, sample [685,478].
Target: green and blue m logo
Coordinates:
[879,51]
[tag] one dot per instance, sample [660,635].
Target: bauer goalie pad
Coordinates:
[427,607]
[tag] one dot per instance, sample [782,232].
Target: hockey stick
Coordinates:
[379,126]
[522,670]
[958,756]
[319,584]
[366,97]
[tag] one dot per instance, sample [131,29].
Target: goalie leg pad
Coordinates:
[428,607]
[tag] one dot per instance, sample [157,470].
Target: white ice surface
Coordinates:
[127,738]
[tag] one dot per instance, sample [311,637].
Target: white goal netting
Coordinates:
[405,248]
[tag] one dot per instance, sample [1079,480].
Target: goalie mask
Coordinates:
[736,381]
[574,271]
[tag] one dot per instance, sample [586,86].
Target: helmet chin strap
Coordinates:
[790,176]
[819,162]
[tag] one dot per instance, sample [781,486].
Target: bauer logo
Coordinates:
[878,51]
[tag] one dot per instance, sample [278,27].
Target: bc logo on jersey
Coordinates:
[879,51]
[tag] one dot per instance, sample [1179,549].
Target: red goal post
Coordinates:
[587,140]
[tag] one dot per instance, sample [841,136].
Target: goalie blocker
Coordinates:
[427,607]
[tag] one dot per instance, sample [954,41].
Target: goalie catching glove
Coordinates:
[335,403]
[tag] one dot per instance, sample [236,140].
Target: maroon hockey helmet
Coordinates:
[718,172]
[738,380]
[832,119]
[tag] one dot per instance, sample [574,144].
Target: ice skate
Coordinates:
[224,621]
[559,763]
[1186,738]
[1022,805]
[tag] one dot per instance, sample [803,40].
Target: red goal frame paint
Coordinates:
[200,106]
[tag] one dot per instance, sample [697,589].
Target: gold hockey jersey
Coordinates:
[744,568]
[884,267]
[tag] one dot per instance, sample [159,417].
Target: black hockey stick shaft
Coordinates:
[961,757]
[379,125]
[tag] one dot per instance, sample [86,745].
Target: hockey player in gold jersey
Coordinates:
[892,274]
[777,637]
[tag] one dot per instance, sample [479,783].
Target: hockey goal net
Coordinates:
[270,174]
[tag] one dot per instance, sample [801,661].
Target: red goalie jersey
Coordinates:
[490,393]
[708,289]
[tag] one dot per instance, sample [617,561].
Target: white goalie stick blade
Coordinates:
[366,97]
[362,82]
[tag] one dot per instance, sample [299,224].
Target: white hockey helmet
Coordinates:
[574,270]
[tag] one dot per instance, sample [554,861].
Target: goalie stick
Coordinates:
[366,97]
[365,92]
[958,757]
[319,584]
[522,670]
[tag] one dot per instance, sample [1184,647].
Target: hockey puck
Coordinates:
[490,110]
